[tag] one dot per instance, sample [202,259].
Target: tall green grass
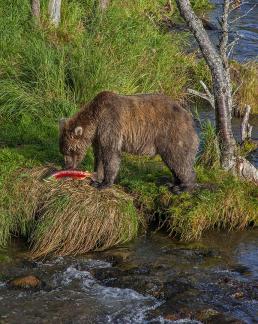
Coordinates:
[46,73]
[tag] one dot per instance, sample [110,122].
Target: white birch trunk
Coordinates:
[35,8]
[103,4]
[54,11]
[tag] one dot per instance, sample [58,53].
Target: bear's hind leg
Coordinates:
[183,172]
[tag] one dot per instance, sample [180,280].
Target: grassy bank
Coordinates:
[221,202]
[46,73]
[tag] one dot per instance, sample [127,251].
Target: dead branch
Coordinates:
[244,15]
[231,46]
[206,96]
[246,128]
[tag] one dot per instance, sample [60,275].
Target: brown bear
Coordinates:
[144,124]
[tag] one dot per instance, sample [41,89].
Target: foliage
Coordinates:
[45,73]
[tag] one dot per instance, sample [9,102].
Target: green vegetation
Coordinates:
[245,81]
[46,73]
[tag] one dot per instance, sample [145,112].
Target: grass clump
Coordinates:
[221,202]
[227,204]
[245,79]
[210,151]
[68,217]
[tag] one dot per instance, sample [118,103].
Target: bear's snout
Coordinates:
[70,163]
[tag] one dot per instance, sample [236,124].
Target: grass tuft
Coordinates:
[245,79]
[68,217]
[229,204]
[210,151]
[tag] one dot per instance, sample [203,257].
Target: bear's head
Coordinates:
[71,143]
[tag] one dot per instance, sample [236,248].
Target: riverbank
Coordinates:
[220,202]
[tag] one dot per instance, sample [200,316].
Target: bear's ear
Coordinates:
[62,123]
[78,131]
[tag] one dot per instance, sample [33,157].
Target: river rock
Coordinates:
[26,282]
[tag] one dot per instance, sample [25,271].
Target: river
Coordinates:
[151,280]
[244,27]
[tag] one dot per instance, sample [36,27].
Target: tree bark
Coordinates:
[35,8]
[221,84]
[54,11]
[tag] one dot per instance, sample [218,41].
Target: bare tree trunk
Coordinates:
[35,8]
[221,84]
[218,64]
[54,11]
[103,4]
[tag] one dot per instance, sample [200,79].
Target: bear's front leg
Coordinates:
[98,164]
[111,164]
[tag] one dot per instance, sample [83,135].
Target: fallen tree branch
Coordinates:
[103,4]
[35,7]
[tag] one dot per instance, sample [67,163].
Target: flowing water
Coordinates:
[153,279]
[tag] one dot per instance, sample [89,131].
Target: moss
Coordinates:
[247,147]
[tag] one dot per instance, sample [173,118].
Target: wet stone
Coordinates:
[238,295]
[191,253]
[241,269]
[26,282]
[143,270]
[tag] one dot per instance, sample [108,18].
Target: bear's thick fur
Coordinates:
[145,124]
